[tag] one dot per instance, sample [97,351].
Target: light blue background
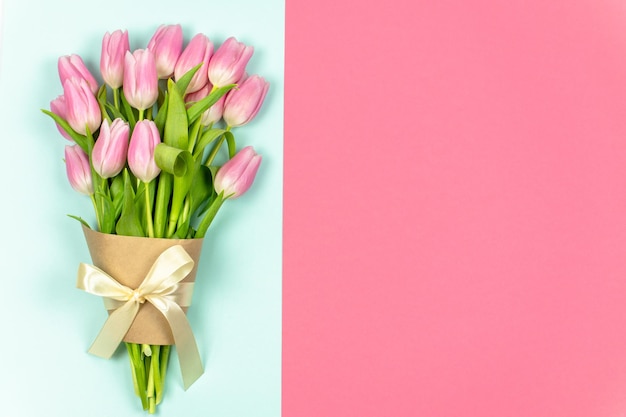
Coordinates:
[47,324]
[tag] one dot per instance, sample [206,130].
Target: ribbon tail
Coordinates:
[114,330]
[186,347]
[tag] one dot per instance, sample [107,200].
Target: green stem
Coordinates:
[156,372]
[149,220]
[150,388]
[140,371]
[116,98]
[141,111]
[104,190]
[214,151]
[132,368]
[165,354]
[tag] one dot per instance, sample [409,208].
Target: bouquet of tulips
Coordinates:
[145,146]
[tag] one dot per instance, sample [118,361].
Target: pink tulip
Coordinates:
[82,108]
[243,103]
[167,44]
[58,107]
[109,152]
[72,66]
[199,50]
[214,113]
[228,64]
[114,48]
[141,84]
[144,139]
[237,175]
[78,170]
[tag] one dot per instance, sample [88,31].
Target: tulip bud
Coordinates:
[199,50]
[143,141]
[114,48]
[214,113]
[78,170]
[166,44]
[72,66]
[82,108]
[141,84]
[109,151]
[243,103]
[228,64]
[58,107]
[236,176]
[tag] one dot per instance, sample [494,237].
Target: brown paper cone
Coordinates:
[128,259]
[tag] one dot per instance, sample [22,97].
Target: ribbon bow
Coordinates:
[162,288]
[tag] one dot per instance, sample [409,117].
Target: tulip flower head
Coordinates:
[72,66]
[167,44]
[109,151]
[198,51]
[58,107]
[141,84]
[78,170]
[242,104]
[143,141]
[114,48]
[82,109]
[237,175]
[228,64]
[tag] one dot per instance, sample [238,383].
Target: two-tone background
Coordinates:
[452,217]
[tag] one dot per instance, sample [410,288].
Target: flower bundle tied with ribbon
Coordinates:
[163,289]
[145,146]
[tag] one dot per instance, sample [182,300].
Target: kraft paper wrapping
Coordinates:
[128,259]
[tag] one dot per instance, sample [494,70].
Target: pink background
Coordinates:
[455,208]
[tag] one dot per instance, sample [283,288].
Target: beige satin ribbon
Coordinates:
[162,288]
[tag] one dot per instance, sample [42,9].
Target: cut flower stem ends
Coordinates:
[148,367]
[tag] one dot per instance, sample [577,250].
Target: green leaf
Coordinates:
[77,137]
[183,227]
[193,135]
[176,132]
[107,212]
[102,101]
[206,138]
[201,189]
[117,193]
[116,114]
[161,116]
[128,111]
[171,160]
[201,106]
[232,147]
[210,215]
[164,194]
[129,223]
[184,81]
[80,219]
[182,185]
